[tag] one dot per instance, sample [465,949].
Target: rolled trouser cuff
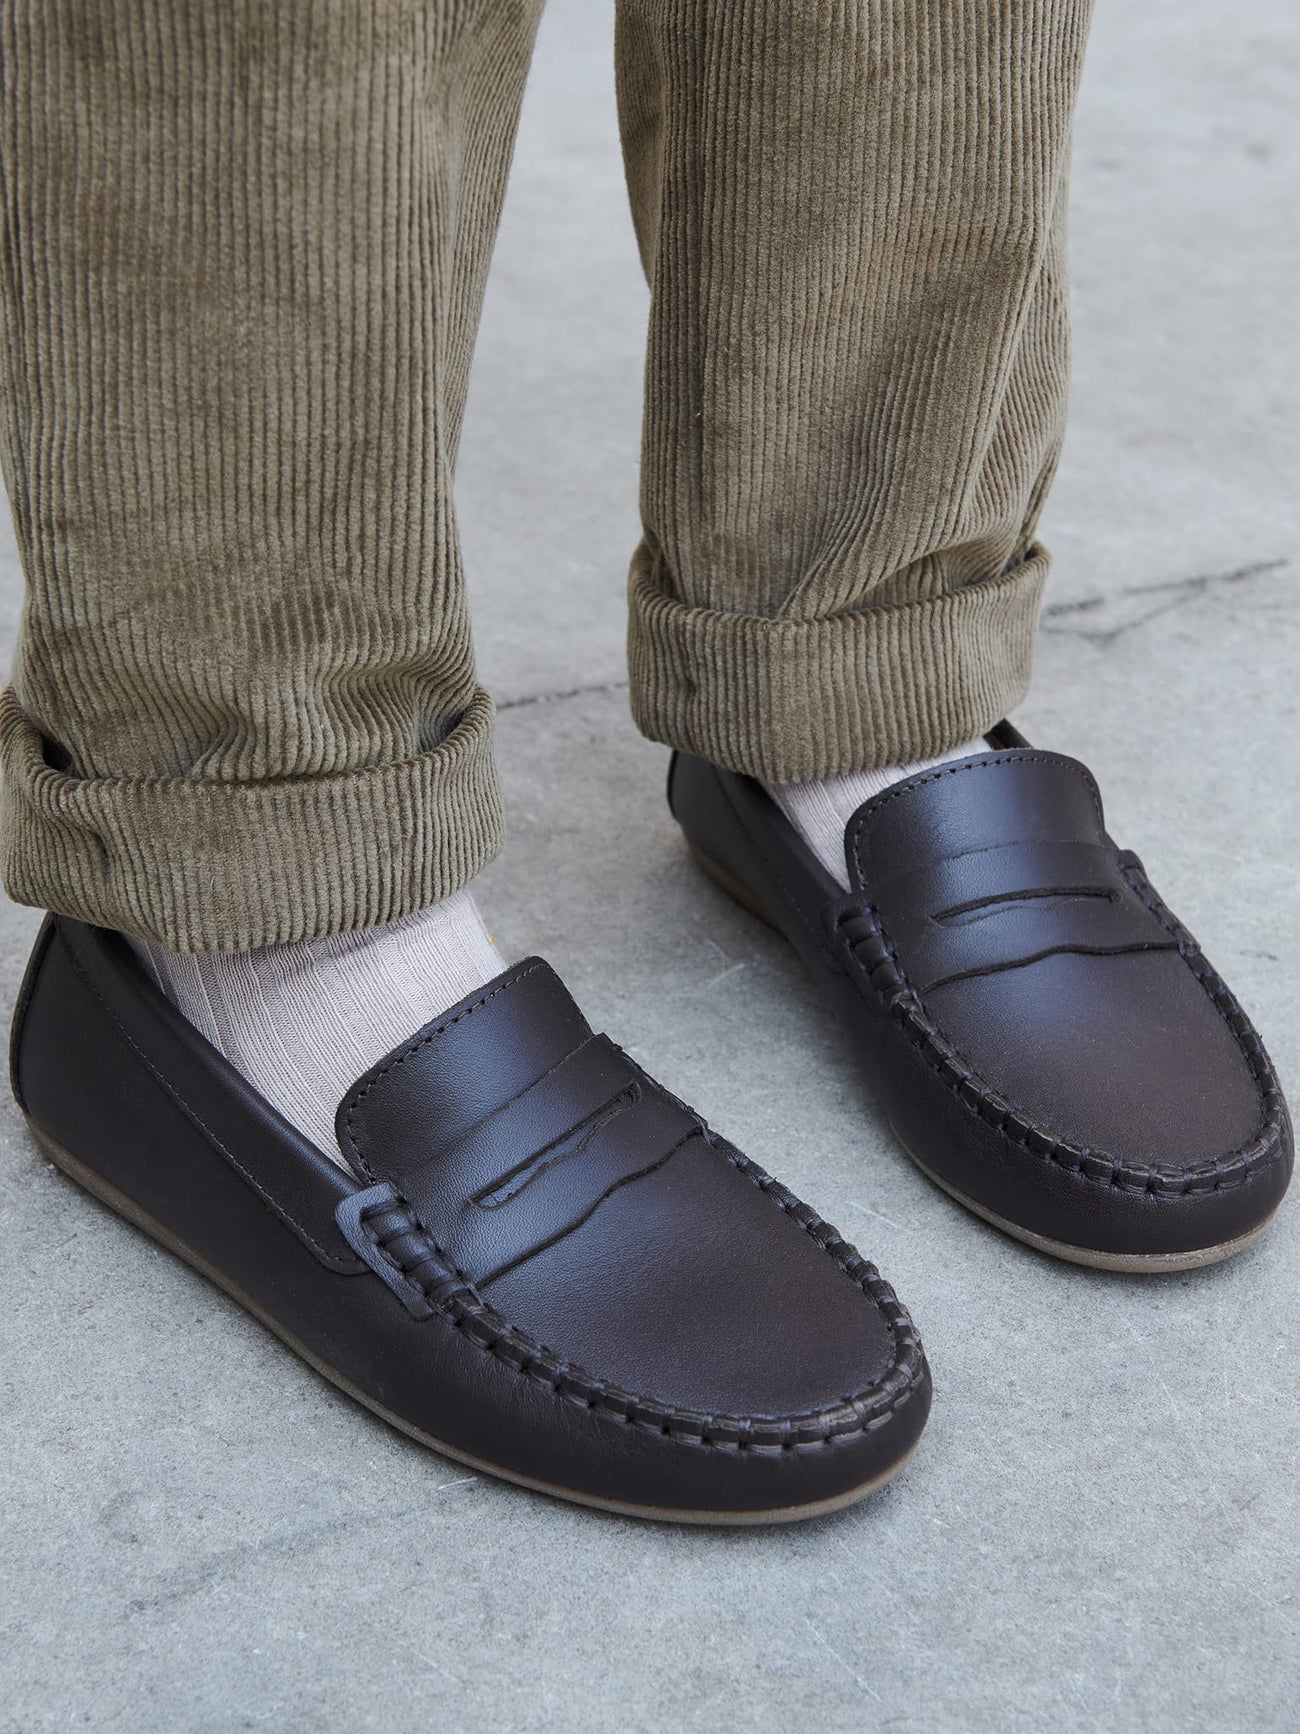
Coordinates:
[204,865]
[791,700]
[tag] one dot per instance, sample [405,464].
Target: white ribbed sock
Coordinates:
[821,811]
[303,1021]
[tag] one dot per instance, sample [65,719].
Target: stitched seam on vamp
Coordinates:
[979,1097]
[816,1430]
[1216,990]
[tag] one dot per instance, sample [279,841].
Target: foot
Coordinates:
[1048,1042]
[537,1260]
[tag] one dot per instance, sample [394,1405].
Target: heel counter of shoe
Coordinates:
[22,1006]
[709,804]
[67,1073]
[698,802]
[747,846]
[671,781]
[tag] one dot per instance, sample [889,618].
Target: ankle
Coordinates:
[821,810]
[303,1021]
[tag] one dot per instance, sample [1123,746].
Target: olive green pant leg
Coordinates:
[852,217]
[242,256]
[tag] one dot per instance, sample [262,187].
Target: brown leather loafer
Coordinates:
[543,1265]
[1047,1041]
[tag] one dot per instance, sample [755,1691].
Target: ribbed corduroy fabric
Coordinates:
[242,254]
[852,217]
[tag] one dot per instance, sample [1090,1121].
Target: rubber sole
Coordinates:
[1134,1263]
[126,1206]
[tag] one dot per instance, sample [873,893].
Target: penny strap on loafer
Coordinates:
[534,1167]
[1034,874]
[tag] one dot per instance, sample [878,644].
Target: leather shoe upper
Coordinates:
[540,1261]
[593,1212]
[1045,1037]
[1039,952]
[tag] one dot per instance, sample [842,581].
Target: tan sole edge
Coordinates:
[1135,1263]
[125,1206]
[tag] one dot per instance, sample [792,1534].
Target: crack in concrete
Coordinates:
[1164,598]
[559,697]
[191,1577]
[1169,594]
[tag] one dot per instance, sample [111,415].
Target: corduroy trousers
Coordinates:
[243,248]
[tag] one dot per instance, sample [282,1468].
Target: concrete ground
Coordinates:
[1100,1530]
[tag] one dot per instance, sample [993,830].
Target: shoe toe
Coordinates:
[1138,1089]
[732,1312]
